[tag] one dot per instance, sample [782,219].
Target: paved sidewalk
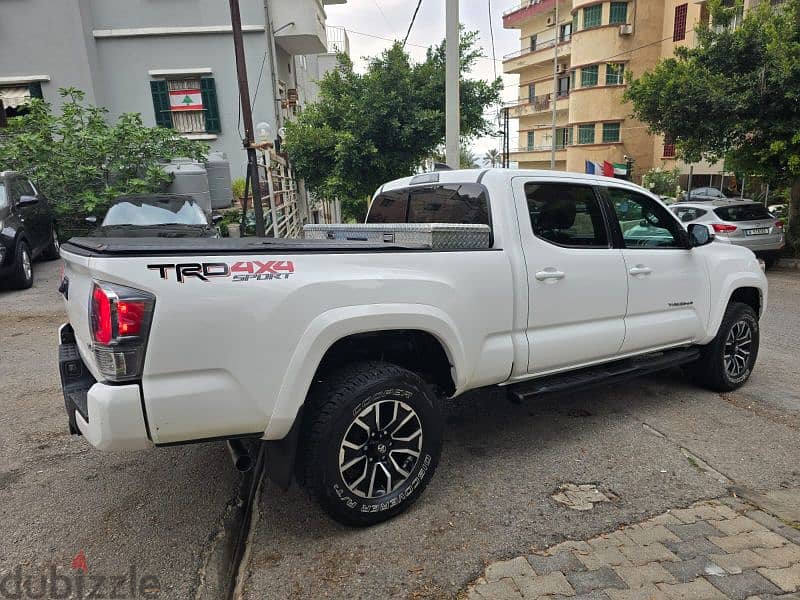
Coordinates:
[712,550]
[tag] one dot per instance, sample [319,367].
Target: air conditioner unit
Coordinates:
[561,68]
[626,29]
[551,21]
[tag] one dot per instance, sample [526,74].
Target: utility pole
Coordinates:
[247,116]
[452,76]
[555,97]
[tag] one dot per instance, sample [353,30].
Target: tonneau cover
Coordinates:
[101,246]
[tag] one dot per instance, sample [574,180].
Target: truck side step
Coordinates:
[603,374]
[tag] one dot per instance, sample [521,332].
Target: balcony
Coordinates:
[299,26]
[538,154]
[520,60]
[526,9]
[537,105]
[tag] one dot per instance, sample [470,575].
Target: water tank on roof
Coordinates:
[218,168]
[190,178]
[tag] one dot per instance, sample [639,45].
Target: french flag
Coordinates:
[595,168]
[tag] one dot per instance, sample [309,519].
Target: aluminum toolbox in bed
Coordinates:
[437,236]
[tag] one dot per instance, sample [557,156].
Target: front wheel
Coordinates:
[372,437]
[727,362]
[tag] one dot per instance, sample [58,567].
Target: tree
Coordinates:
[492,158]
[466,157]
[662,182]
[371,127]
[735,96]
[82,162]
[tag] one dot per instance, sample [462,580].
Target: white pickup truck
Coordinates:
[338,354]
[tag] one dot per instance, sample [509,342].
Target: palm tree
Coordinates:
[492,158]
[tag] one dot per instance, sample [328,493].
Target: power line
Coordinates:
[380,10]
[410,25]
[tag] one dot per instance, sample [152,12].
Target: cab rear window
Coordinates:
[743,212]
[462,204]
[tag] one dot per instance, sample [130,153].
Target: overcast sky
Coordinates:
[390,19]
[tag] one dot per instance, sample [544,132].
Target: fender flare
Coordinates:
[336,324]
[730,284]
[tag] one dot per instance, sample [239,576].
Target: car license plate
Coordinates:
[759,231]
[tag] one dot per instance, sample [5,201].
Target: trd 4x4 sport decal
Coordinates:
[251,270]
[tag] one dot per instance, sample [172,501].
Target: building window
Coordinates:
[563,87]
[573,78]
[530,141]
[615,73]
[586,133]
[565,32]
[669,147]
[188,105]
[592,16]
[531,92]
[610,133]
[619,13]
[589,76]
[563,137]
[575,21]
[533,43]
[679,29]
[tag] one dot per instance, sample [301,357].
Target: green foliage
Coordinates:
[238,186]
[492,158]
[82,162]
[662,182]
[371,127]
[735,96]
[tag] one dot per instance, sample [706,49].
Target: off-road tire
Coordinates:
[51,252]
[333,406]
[710,369]
[22,278]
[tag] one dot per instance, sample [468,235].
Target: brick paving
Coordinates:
[717,549]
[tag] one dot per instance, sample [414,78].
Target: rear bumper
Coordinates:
[110,417]
[757,244]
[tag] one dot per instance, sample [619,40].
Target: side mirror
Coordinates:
[216,219]
[27,201]
[91,220]
[699,235]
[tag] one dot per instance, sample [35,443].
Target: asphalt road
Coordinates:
[163,511]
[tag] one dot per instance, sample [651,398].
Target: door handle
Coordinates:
[550,273]
[640,270]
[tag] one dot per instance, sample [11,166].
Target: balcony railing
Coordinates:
[543,45]
[539,103]
[539,148]
[520,6]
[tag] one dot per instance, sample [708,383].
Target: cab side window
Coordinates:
[643,221]
[566,215]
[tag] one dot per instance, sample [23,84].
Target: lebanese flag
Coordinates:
[185,100]
[608,169]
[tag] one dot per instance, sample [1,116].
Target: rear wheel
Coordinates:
[372,437]
[727,362]
[51,252]
[22,276]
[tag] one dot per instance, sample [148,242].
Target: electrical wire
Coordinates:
[258,84]
[410,25]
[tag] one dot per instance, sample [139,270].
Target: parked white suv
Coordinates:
[338,354]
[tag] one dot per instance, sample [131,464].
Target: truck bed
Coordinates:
[109,247]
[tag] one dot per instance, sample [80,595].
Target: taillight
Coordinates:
[779,224]
[723,228]
[120,321]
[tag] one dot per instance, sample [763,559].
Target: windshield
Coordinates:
[3,200]
[743,212]
[155,212]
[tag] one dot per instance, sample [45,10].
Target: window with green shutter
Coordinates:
[530,140]
[586,133]
[160,92]
[610,132]
[210,106]
[615,73]
[575,21]
[589,76]
[619,13]
[572,78]
[592,16]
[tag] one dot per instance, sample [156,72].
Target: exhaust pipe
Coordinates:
[240,456]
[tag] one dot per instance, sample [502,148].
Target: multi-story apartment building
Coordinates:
[580,61]
[149,57]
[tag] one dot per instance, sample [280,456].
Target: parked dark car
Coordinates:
[27,230]
[156,215]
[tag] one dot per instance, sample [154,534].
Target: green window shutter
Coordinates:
[610,132]
[589,76]
[575,22]
[530,140]
[619,13]
[210,106]
[592,15]
[615,73]
[160,92]
[35,90]
[586,133]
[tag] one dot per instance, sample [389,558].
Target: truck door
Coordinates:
[668,292]
[577,281]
